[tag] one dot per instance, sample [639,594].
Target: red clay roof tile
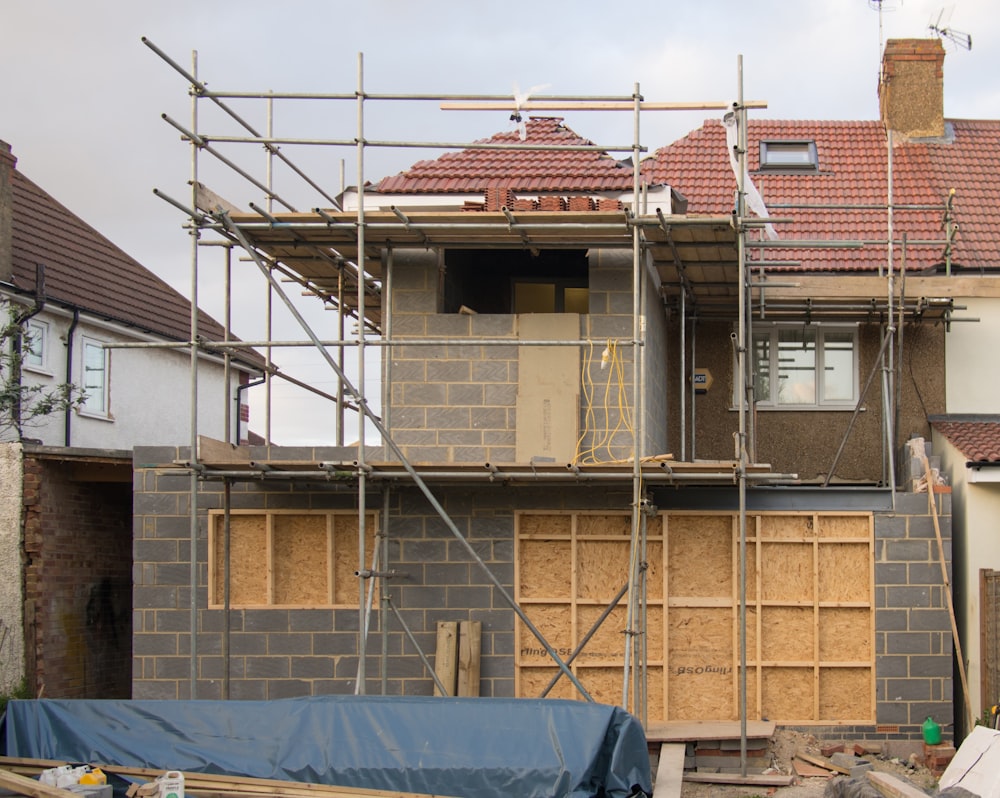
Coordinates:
[852,170]
[475,170]
[978,441]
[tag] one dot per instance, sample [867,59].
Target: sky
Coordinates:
[82,99]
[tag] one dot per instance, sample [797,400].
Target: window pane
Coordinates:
[33,346]
[762,367]
[796,367]
[94,381]
[838,367]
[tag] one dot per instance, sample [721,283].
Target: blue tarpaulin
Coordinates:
[469,747]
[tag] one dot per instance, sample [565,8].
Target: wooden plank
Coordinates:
[805,769]
[823,762]
[674,731]
[892,787]
[446,656]
[469,648]
[756,779]
[202,784]
[23,785]
[221,453]
[669,771]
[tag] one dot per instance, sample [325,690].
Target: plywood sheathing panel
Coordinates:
[553,621]
[787,572]
[301,560]
[844,634]
[544,525]
[706,541]
[788,634]
[843,572]
[602,568]
[544,568]
[849,526]
[531,681]
[786,691]
[787,527]
[845,694]
[248,558]
[345,555]
[700,677]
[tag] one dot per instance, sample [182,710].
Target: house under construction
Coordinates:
[642,432]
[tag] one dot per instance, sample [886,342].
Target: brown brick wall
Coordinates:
[77,541]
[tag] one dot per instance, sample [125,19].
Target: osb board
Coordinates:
[544,569]
[700,675]
[789,527]
[788,694]
[554,623]
[248,559]
[845,526]
[544,525]
[608,642]
[532,681]
[301,559]
[345,555]
[786,571]
[845,693]
[788,634]
[844,572]
[699,556]
[617,525]
[602,568]
[845,634]
[654,570]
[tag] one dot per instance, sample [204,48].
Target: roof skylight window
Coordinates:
[789,156]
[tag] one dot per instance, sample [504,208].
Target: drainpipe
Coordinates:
[68,412]
[239,390]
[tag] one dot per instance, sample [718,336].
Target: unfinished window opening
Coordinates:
[789,156]
[801,367]
[810,612]
[516,281]
[287,559]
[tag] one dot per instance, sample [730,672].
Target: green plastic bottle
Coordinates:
[932,731]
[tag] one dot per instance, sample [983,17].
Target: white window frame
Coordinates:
[35,347]
[793,155]
[91,406]
[820,331]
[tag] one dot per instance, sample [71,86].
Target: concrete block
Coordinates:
[856,765]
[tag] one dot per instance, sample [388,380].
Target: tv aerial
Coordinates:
[943,30]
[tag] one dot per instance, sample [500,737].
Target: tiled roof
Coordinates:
[475,170]
[83,269]
[853,164]
[978,441]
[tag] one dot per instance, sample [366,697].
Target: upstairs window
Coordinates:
[35,346]
[789,156]
[516,281]
[96,378]
[805,366]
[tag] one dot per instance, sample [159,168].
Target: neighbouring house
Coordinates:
[67,515]
[570,469]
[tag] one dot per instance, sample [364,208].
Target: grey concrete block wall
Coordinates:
[913,642]
[456,403]
[281,652]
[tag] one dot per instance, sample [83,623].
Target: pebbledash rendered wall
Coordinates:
[277,653]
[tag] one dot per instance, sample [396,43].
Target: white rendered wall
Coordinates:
[976,524]
[11,598]
[972,378]
[150,397]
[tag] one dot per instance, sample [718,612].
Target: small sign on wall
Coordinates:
[702,380]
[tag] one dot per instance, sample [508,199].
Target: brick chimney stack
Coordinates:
[7,163]
[911,93]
